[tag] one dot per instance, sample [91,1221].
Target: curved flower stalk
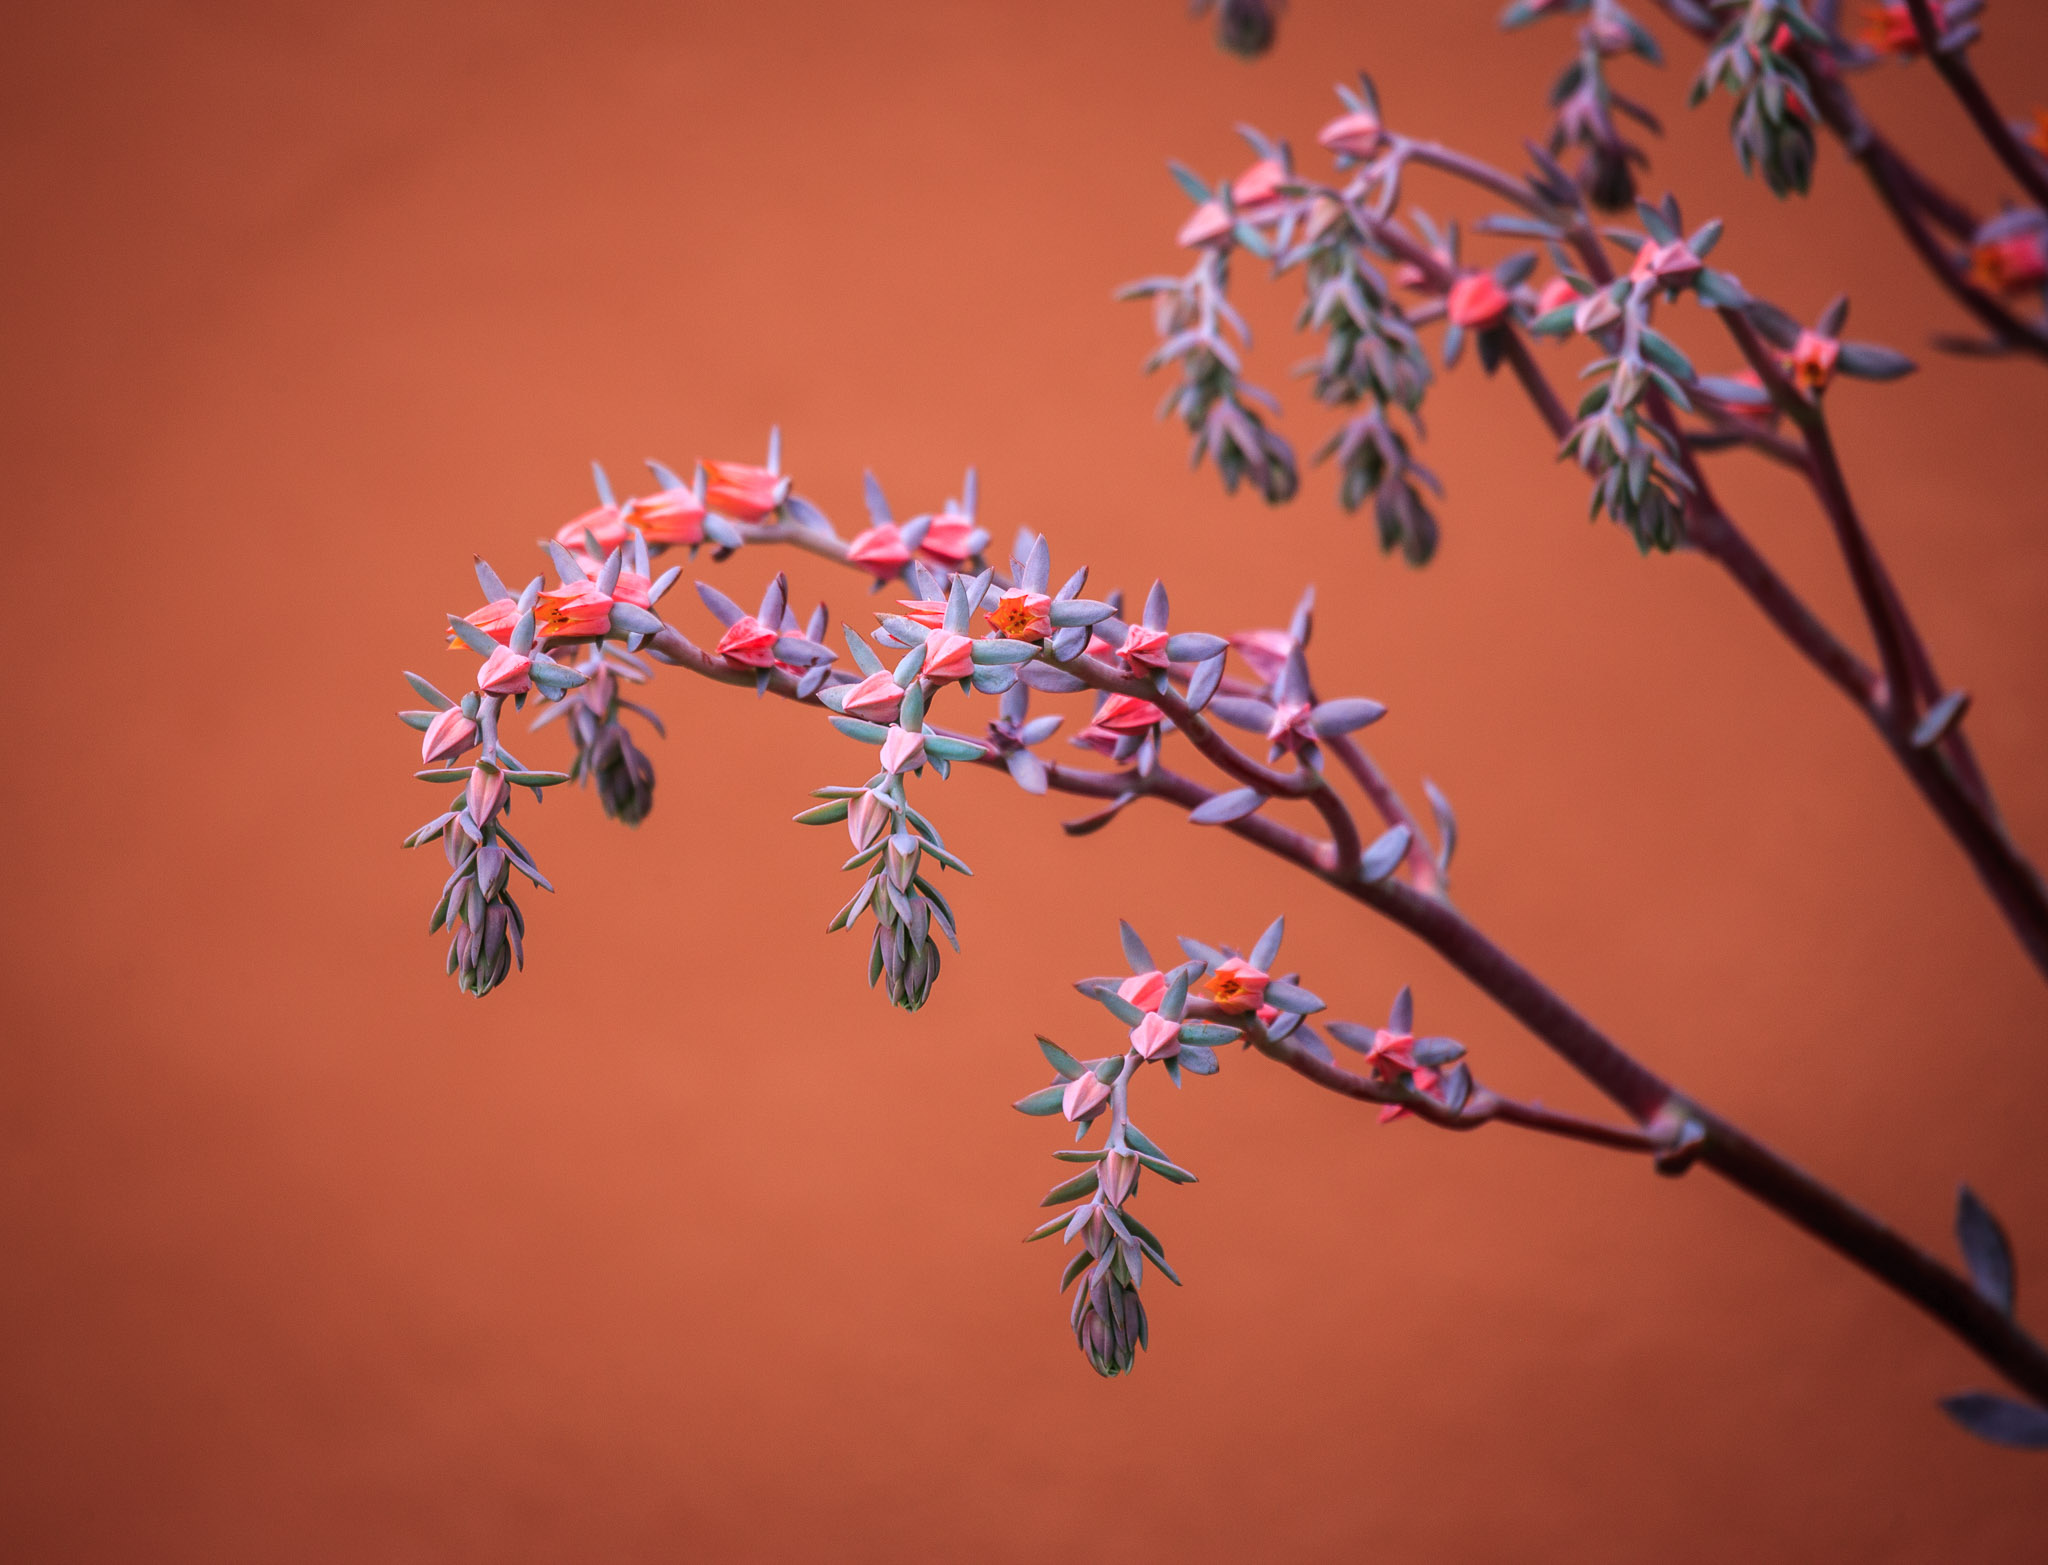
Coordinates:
[1644,426]
[1152,691]
[1787,66]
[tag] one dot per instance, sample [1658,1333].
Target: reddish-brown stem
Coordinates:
[1956,70]
[1649,1100]
[1372,782]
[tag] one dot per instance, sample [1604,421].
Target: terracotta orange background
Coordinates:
[684,1246]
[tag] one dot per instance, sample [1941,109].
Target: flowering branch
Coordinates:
[1629,432]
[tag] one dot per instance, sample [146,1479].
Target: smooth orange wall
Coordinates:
[686,1247]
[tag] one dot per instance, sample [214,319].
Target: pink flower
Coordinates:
[867,817]
[1671,263]
[947,655]
[1290,726]
[1209,224]
[489,792]
[1889,29]
[1144,990]
[447,736]
[671,516]
[747,641]
[880,549]
[1595,311]
[902,750]
[928,612]
[635,589]
[1127,715]
[1557,293]
[576,608]
[1155,1038]
[1021,615]
[741,492]
[1264,651]
[1812,361]
[1392,1056]
[2014,264]
[1476,301]
[1236,985]
[505,673]
[1353,135]
[877,699]
[495,619]
[607,524]
[949,538]
[1142,646]
[1084,1095]
[1118,1176]
[1259,185]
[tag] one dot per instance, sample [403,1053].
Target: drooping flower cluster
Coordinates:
[1356,248]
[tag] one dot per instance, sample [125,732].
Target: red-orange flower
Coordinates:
[1812,361]
[1557,293]
[747,641]
[877,698]
[576,608]
[1143,647]
[1259,185]
[1205,226]
[743,492]
[495,619]
[2014,264]
[1353,135]
[1392,1056]
[671,516]
[950,537]
[447,736]
[1021,615]
[880,549]
[1889,29]
[1236,985]
[1476,301]
[607,524]
[1147,991]
[928,612]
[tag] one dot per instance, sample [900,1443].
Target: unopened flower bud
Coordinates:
[505,673]
[1147,991]
[1118,1173]
[1084,1095]
[947,655]
[902,750]
[876,699]
[447,736]
[741,492]
[880,549]
[748,642]
[1155,1038]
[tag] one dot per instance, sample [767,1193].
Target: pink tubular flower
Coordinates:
[671,516]
[607,524]
[1264,651]
[447,736]
[1392,1056]
[1557,293]
[1671,264]
[742,492]
[1155,1038]
[1476,301]
[576,608]
[947,655]
[876,699]
[635,589]
[1084,1095]
[1290,726]
[747,641]
[1237,986]
[505,673]
[1143,647]
[880,549]
[928,612]
[1812,362]
[495,619]
[2017,263]
[1021,615]
[949,538]
[1209,224]
[1352,135]
[1118,1175]
[1127,715]
[1259,185]
[902,750]
[489,793]
[1144,990]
